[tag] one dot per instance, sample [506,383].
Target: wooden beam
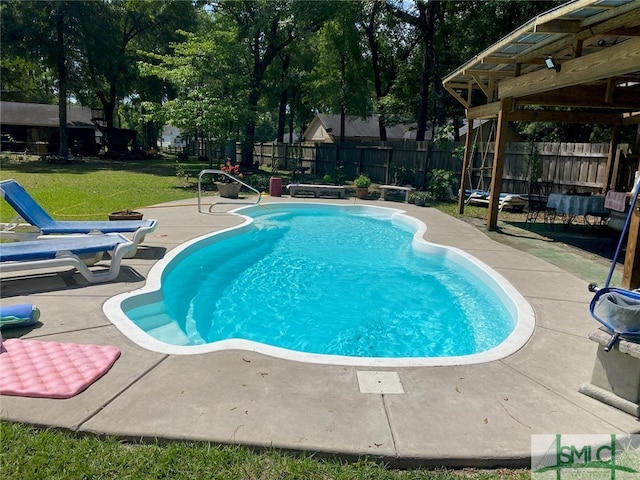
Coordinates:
[631,118]
[482,86]
[566,117]
[498,162]
[487,111]
[455,95]
[588,96]
[617,60]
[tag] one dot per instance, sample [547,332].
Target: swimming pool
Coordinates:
[336,294]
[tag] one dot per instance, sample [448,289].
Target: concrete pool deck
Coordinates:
[470,415]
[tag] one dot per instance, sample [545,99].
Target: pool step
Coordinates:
[164,328]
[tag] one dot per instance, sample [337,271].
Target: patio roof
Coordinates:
[595,43]
[577,63]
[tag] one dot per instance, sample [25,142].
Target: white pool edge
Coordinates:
[524,313]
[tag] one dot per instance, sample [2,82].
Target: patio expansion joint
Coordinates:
[382,383]
[392,432]
[102,406]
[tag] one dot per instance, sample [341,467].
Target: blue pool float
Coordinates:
[21,315]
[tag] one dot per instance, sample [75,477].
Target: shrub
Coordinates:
[440,184]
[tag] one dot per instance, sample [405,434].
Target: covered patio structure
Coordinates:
[577,63]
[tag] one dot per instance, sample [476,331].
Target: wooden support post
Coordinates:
[498,162]
[465,165]
[631,273]
[613,159]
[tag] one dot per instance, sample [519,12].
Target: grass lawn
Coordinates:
[32,453]
[90,189]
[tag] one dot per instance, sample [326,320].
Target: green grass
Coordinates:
[89,190]
[35,453]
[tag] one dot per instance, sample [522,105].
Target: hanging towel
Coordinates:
[615,201]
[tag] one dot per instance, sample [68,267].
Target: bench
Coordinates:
[384,189]
[296,189]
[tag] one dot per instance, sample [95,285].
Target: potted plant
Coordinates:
[421,199]
[227,186]
[362,184]
[125,215]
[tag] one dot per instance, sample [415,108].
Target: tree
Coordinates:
[390,45]
[424,23]
[340,81]
[210,91]
[111,48]
[45,31]
[266,28]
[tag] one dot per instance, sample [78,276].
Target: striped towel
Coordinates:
[615,201]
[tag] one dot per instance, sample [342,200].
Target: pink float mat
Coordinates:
[30,368]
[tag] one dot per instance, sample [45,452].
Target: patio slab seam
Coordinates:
[392,431]
[122,391]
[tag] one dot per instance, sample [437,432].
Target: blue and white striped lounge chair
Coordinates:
[65,250]
[31,211]
[508,201]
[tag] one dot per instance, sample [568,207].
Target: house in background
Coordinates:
[326,128]
[171,137]
[34,128]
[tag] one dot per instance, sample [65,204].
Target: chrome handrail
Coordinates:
[212,171]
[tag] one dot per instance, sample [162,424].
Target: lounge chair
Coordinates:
[66,250]
[508,201]
[31,211]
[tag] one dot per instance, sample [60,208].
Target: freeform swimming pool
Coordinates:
[326,283]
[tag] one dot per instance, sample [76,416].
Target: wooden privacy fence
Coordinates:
[556,167]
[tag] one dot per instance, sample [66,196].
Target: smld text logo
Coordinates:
[615,457]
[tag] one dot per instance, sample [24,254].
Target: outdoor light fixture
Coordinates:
[551,64]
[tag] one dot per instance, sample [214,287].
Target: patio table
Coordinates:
[571,206]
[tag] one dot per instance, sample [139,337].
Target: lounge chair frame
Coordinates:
[66,251]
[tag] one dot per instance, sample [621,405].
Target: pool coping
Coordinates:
[480,415]
[525,318]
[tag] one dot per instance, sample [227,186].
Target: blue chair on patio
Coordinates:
[67,250]
[31,211]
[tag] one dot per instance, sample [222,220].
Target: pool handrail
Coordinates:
[213,171]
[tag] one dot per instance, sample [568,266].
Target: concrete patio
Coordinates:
[472,415]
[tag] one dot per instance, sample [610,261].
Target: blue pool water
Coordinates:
[326,280]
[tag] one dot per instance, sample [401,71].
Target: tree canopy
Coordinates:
[248,70]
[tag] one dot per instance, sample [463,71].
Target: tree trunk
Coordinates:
[282,115]
[284,98]
[427,28]
[250,129]
[62,85]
